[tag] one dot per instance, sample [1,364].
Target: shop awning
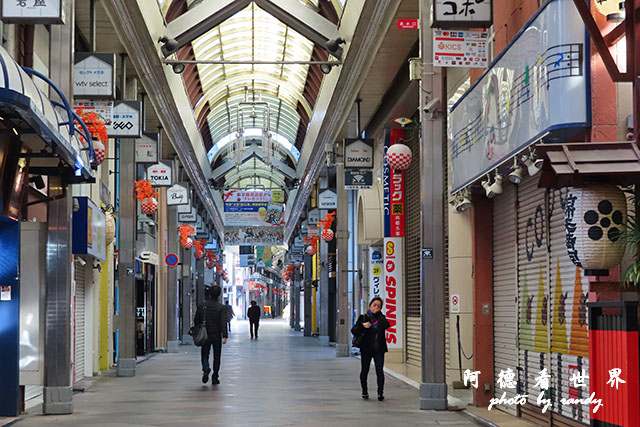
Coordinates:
[28,112]
[573,164]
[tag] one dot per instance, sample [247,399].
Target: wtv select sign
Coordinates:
[358,153]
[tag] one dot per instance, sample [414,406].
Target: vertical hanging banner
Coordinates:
[393,251]
[376,265]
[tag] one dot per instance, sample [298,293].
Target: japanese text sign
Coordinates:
[462,13]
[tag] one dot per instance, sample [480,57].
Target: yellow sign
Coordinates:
[277,196]
[607,7]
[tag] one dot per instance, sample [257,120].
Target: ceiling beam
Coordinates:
[304,20]
[200,19]
[250,153]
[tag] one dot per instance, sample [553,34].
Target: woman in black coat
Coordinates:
[373,345]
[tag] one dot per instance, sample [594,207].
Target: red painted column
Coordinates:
[482,250]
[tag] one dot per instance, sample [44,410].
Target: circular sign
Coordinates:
[171,260]
[454,300]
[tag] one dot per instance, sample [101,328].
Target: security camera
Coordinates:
[432,106]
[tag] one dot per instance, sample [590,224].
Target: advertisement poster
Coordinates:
[393,270]
[257,236]
[376,264]
[254,208]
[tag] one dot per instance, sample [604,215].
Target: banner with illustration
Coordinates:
[254,208]
[257,236]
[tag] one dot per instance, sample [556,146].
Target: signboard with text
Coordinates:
[126,120]
[254,208]
[94,75]
[177,195]
[376,265]
[146,150]
[328,199]
[407,24]
[358,153]
[33,11]
[256,236]
[460,48]
[358,179]
[462,13]
[159,175]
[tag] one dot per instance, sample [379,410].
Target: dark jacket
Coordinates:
[374,339]
[229,312]
[215,315]
[254,313]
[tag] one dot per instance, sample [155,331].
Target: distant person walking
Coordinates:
[229,313]
[254,318]
[370,327]
[214,314]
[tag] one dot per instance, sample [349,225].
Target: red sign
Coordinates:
[396,193]
[407,24]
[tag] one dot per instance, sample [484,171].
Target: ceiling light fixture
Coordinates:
[326,68]
[496,187]
[486,185]
[533,164]
[464,202]
[168,45]
[177,68]
[334,44]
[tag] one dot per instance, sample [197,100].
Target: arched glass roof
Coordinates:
[253,35]
[257,133]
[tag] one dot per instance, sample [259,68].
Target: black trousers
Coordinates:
[215,341]
[254,325]
[378,360]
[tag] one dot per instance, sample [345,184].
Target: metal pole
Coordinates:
[296,292]
[342,257]
[323,293]
[58,394]
[308,259]
[433,389]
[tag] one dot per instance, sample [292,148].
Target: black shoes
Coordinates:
[205,375]
[215,379]
[380,397]
[365,396]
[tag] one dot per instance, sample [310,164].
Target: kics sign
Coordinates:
[358,153]
[159,175]
[393,267]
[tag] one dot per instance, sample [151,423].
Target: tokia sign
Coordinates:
[159,175]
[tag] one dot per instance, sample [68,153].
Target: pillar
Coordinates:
[308,269]
[172,282]
[342,258]
[187,294]
[58,394]
[433,387]
[323,294]
[296,299]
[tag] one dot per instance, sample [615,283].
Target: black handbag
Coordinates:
[199,332]
[357,337]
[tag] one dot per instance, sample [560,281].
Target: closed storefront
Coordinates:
[539,303]
[79,322]
[412,254]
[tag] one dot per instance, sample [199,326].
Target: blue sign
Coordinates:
[171,260]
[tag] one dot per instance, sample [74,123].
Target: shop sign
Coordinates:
[393,192]
[149,257]
[455,303]
[328,199]
[105,194]
[314,216]
[89,229]
[376,265]
[93,74]
[126,120]
[103,109]
[159,175]
[188,217]
[146,150]
[407,24]
[186,208]
[460,48]
[462,13]
[537,86]
[253,208]
[358,153]
[177,195]
[358,179]
[33,11]
[393,285]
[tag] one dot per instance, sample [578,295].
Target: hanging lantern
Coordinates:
[149,206]
[198,254]
[311,250]
[209,264]
[595,217]
[100,150]
[188,242]
[399,156]
[110,225]
[327,235]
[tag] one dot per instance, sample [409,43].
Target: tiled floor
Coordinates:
[283,379]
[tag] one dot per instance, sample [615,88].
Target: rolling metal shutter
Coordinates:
[412,255]
[78,312]
[505,295]
[568,316]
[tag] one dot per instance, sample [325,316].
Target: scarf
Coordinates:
[374,320]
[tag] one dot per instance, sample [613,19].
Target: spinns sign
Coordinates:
[538,85]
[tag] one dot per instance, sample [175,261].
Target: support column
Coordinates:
[58,394]
[187,295]
[172,282]
[342,258]
[199,264]
[433,389]
[308,269]
[323,291]
[296,298]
